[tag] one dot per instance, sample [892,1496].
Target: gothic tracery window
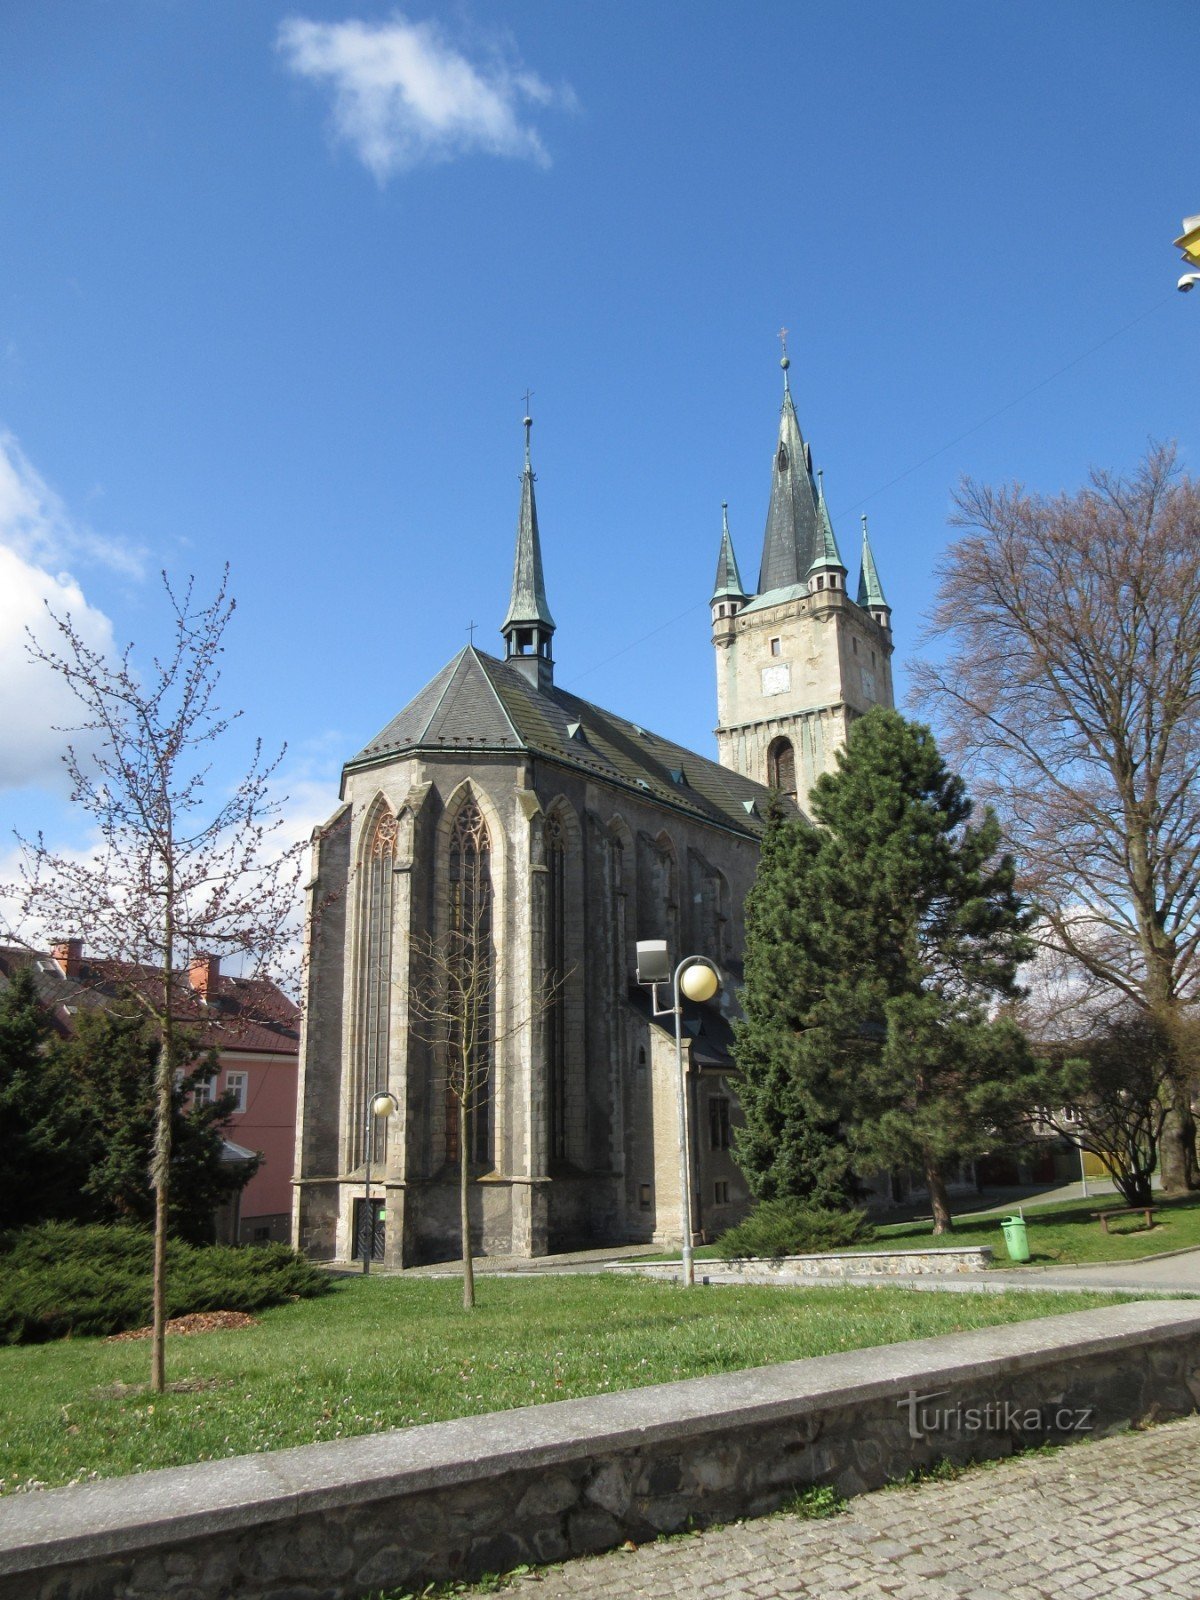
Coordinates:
[470,920]
[376,969]
[556,969]
[781,767]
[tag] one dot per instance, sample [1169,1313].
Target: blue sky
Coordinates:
[274,278]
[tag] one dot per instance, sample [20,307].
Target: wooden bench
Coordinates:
[1129,1211]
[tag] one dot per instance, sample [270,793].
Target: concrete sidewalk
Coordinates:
[1109,1520]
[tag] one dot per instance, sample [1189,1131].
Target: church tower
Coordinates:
[799,660]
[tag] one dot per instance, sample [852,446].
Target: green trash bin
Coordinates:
[1016,1238]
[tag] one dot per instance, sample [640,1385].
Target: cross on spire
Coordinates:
[784,361]
[471,626]
[527,397]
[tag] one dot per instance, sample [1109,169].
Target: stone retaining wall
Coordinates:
[848,1264]
[456,1499]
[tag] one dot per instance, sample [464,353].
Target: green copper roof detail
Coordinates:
[728,582]
[827,553]
[870,590]
[528,606]
[791,539]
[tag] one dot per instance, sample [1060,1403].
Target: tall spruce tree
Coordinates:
[875,944]
[790,1146]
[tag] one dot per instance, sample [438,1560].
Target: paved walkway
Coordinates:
[1115,1520]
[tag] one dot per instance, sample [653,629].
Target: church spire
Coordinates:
[528,627]
[727,586]
[870,590]
[790,543]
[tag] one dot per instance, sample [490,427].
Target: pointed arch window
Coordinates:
[376,972]
[556,969]
[781,767]
[473,984]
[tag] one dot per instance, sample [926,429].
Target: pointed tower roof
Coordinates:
[728,583]
[870,590]
[527,606]
[790,542]
[826,553]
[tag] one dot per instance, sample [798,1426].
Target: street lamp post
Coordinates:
[699,979]
[379,1105]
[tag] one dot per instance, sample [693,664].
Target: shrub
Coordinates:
[57,1280]
[789,1227]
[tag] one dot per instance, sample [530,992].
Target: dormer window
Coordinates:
[820,583]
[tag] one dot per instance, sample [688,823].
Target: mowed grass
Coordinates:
[1066,1232]
[388,1352]
[1061,1232]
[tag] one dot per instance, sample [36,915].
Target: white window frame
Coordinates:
[238,1081]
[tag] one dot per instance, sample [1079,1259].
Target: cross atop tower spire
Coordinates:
[784,360]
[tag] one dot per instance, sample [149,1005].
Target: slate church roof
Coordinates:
[477,703]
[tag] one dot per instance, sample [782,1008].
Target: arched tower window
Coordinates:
[555,960]
[376,973]
[472,985]
[781,767]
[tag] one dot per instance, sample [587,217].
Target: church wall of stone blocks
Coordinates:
[566,834]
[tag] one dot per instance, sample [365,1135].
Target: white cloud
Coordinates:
[35,703]
[35,524]
[403,95]
[36,535]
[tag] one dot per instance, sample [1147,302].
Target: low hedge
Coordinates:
[58,1280]
[789,1228]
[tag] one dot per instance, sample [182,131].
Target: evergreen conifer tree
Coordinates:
[875,943]
[42,1157]
[112,1060]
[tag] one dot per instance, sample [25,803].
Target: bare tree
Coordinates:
[1071,692]
[1106,1094]
[455,993]
[175,872]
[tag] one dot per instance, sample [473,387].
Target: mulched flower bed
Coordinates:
[194,1322]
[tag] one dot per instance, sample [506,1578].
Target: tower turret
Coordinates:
[728,596]
[828,571]
[870,590]
[528,628]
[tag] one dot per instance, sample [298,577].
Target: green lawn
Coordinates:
[1064,1232]
[388,1352]
[1061,1232]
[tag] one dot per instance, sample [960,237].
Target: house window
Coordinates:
[776,646]
[721,1192]
[202,1092]
[236,1083]
[718,1122]
[644,1197]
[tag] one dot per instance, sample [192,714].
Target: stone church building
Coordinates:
[582,832]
